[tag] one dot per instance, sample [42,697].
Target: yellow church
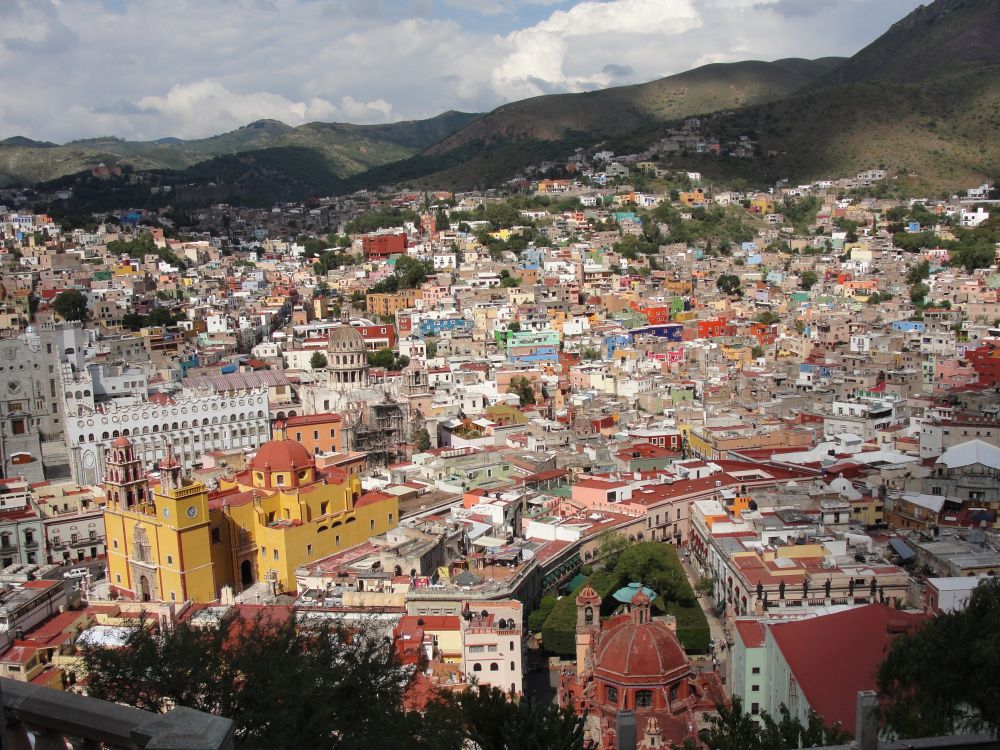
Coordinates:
[177,541]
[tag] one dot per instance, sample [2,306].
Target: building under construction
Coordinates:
[381,431]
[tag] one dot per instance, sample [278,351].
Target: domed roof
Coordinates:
[644,653]
[281,455]
[345,338]
[587,595]
[122,442]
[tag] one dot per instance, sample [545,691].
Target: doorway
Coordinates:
[246,573]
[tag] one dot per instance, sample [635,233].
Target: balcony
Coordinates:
[45,719]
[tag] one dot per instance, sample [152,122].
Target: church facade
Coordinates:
[177,541]
[633,664]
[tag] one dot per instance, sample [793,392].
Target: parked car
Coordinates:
[75,573]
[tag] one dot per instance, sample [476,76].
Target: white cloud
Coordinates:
[189,68]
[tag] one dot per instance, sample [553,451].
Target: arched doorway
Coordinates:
[246,573]
[144,594]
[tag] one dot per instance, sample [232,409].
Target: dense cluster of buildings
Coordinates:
[802,406]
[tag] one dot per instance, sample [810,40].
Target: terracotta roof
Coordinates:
[281,455]
[835,656]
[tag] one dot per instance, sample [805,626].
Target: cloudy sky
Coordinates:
[147,69]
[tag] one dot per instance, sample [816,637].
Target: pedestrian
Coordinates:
[715,663]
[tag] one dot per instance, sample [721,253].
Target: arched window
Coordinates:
[477,667]
[588,615]
[494,667]
[105,435]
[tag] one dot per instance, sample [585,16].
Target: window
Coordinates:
[755,709]
[492,648]
[263,551]
[755,688]
[477,667]
[512,667]
[216,536]
[275,554]
[643,698]
[390,519]
[170,559]
[611,694]
[309,549]
[337,540]
[476,649]
[494,667]
[755,670]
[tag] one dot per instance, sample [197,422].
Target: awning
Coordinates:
[489,541]
[902,549]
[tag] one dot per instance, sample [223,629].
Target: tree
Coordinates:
[522,387]
[919,292]
[918,272]
[160,316]
[283,687]
[941,679]
[768,318]
[430,344]
[729,283]
[732,728]
[486,718]
[133,321]
[317,361]
[71,305]
[423,440]
[757,352]
[514,327]
[610,545]
[807,280]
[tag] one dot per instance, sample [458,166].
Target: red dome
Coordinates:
[587,595]
[122,442]
[646,653]
[281,455]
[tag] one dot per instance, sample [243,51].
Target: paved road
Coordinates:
[97,568]
[716,625]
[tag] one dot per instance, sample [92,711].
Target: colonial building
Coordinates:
[179,542]
[187,425]
[634,663]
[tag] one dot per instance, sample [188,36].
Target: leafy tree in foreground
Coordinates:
[325,687]
[317,361]
[71,305]
[943,677]
[731,728]
[487,718]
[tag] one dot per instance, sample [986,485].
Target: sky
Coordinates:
[147,69]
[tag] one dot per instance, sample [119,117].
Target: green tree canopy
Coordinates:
[520,385]
[942,678]
[729,283]
[807,280]
[71,305]
[732,728]
[283,687]
[317,361]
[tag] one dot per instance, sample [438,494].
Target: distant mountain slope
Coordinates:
[347,149]
[627,108]
[943,38]
[923,99]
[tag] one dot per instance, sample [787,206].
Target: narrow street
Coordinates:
[716,625]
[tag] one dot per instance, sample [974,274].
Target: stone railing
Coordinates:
[40,718]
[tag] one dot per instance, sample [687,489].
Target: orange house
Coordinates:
[319,433]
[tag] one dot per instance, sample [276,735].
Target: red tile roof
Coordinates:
[834,656]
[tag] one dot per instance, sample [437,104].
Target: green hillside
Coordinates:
[624,109]
[347,149]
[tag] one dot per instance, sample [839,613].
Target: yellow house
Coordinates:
[181,542]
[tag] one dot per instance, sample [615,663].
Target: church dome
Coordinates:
[639,652]
[282,464]
[345,338]
[121,442]
[281,455]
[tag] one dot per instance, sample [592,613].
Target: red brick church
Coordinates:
[633,663]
